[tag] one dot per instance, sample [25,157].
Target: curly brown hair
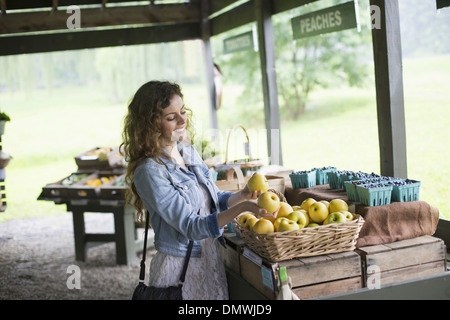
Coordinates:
[142,129]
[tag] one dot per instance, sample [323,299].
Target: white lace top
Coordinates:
[205,276]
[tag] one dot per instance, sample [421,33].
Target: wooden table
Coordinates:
[125,236]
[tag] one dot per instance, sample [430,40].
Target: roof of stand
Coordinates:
[28,26]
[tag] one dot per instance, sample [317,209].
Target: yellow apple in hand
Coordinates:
[269,201]
[287,225]
[299,217]
[335,217]
[263,226]
[243,217]
[277,222]
[318,212]
[258,182]
[307,203]
[338,205]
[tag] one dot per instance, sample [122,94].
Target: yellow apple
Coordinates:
[243,217]
[285,209]
[287,225]
[277,222]
[318,212]
[312,225]
[338,205]
[307,203]
[263,226]
[250,223]
[296,208]
[325,202]
[258,182]
[299,217]
[348,215]
[335,217]
[269,201]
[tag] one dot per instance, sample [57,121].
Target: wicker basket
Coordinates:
[306,242]
[246,165]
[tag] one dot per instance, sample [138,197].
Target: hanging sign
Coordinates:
[442,3]
[240,42]
[341,17]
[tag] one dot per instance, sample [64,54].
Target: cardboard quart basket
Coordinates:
[306,242]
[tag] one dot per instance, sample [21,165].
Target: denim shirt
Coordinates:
[173,197]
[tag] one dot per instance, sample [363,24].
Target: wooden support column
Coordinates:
[266,44]
[389,85]
[209,64]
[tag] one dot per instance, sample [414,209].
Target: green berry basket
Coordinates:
[321,174]
[374,196]
[408,192]
[334,180]
[303,180]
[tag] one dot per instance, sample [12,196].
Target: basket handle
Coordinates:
[228,141]
[239,175]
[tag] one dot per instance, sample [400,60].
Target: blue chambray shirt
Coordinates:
[173,197]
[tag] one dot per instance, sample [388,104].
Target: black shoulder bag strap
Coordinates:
[186,260]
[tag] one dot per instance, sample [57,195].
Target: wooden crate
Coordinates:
[230,254]
[311,277]
[402,260]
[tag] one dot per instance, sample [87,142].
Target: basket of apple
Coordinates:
[309,229]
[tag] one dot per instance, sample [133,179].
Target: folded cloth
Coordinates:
[383,224]
[396,221]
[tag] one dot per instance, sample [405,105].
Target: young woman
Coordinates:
[168,178]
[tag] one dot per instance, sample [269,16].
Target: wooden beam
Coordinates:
[209,64]
[266,45]
[99,17]
[389,86]
[96,39]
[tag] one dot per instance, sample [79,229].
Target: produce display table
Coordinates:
[395,244]
[383,224]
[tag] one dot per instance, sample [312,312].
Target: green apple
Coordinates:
[269,201]
[277,222]
[287,225]
[263,226]
[307,203]
[338,205]
[258,182]
[335,217]
[318,212]
[299,217]
[243,217]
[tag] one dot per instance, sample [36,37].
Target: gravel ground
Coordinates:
[35,254]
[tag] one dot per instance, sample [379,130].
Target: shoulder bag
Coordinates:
[144,292]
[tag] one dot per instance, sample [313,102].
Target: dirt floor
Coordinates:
[37,256]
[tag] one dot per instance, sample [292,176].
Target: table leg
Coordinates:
[79,235]
[125,235]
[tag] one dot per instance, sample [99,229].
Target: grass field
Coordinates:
[339,128]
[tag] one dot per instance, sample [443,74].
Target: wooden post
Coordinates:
[209,64]
[389,85]
[266,46]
